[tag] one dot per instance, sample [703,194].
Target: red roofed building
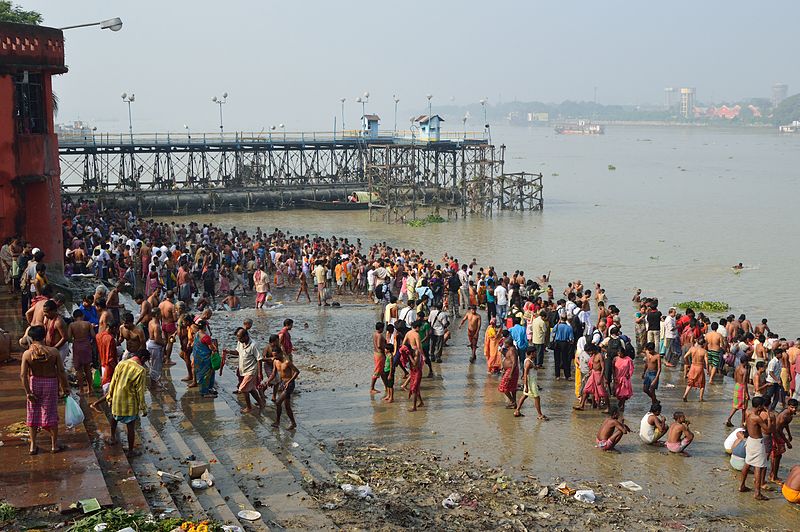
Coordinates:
[30,175]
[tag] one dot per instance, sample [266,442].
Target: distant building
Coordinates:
[429,128]
[369,126]
[538,117]
[668,93]
[779,93]
[687,102]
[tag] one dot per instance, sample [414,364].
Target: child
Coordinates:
[531,388]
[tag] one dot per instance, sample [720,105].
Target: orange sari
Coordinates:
[490,344]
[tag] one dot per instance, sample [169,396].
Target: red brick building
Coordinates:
[30,176]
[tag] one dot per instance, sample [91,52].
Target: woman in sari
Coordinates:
[623,371]
[491,343]
[202,348]
[152,281]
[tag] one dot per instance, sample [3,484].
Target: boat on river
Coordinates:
[581,128]
[335,205]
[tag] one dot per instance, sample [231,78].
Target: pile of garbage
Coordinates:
[411,488]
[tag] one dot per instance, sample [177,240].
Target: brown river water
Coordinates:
[682,206]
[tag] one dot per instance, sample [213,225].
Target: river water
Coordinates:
[680,208]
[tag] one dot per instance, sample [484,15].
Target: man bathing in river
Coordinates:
[758,424]
[652,371]
[679,437]
[287,372]
[781,438]
[379,356]
[611,431]
[473,320]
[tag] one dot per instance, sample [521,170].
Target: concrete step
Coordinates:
[120,477]
[215,428]
[172,453]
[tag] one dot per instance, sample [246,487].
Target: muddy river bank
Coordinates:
[465,418]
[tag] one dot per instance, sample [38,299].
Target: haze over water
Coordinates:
[682,206]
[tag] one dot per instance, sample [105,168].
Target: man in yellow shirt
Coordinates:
[126,397]
[537,333]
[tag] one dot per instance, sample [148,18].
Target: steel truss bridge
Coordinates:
[182,174]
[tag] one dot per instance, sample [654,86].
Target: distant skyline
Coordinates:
[291,62]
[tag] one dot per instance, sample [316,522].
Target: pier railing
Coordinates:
[89,138]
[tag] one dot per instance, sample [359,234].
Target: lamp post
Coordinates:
[464,120]
[485,121]
[129,99]
[188,133]
[220,101]
[363,99]
[396,101]
[113,24]
[342,100]
[283,127]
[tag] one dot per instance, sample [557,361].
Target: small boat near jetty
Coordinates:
[581,128]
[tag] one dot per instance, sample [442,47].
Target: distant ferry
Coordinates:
[794,127]
[581,128]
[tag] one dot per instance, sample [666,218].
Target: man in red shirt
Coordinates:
[286,339]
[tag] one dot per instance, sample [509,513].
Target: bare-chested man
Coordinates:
[112,301]
[611,431]
[56,334]
[695,374]
[44,380]
[104,317]
[379,357]
[473,320]
[416,356]
[741,395]
[679,437]
[145,310]
[169,319]
[35,314]
[652,371]
[155,345]
[287,372]
[716,349]
[81,334]
[758,424]
[781,438]
[303,278]
[745,324]
[134,336]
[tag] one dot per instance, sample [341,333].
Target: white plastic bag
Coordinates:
[586,496]
[73,415]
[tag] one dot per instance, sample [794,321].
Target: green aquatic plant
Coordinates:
[430,219]
[7,512]
[705,306]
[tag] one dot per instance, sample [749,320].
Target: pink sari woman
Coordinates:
[623,371]
[152,281]
[224,282]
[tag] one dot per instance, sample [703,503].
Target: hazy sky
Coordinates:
[291,61]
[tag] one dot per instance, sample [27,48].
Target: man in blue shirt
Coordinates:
[563,351]
[519,335]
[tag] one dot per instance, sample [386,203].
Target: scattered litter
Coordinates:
[630,485]
[199,484]
[295,444]
[452,501]
[169,477]
[362,492]
[565,490]
[100,527]
[542,515]
[249,515]
[126,529]
[89,505]
[207,477]
[232,528]
[543,492]
[197,468]
[586,496]
[329,506]
[668,385]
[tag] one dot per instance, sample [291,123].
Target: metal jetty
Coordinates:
[188,173]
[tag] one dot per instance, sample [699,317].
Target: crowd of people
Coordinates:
[180,274]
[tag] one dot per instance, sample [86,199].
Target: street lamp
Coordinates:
[429,96]
[220,102]
[464,120]
[129,99]
[396,101]
[283,127]
[113,24]
[363,101]
[485,121]
[342,100]
[188,133]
